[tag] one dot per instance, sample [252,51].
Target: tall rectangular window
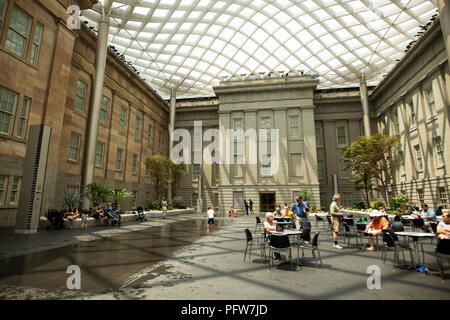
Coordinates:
[80,97]
[413,113]
[216,200]
[8,102]
[293,126]
[347,199]
[149,134]
[103,116]
[266,165]
[137,128]
[3,6]
[119,158]
[421,196]
[35,46]
[159,139]
[439,151]
[123,119]
[318,137]
[23,117]
[135,163]
[320,169]
[443,201]
[15,188]
[265,124]
[99,151]
[18,32]
[3,187]
[194,197]
[431,103]
[133,199]
[418,157]
[341,136]
[217,172]
[74,148]
[195,171]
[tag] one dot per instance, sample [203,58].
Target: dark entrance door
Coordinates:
[267,201]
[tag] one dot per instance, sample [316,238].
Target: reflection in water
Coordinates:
[104,263]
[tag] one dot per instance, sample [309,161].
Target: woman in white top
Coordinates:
[210,217]
[271,226]
[164,208]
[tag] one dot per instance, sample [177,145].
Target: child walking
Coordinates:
[210,217]
[84,220]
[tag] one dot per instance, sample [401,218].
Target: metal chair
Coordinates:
[349,233]
[258,225]
[279,244]
[418,223]
[313,246]
[407,223]
[392,243]
[330,225]
[442,251]
[318,221]
[259,242]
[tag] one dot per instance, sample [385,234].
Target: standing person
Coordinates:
[210,217]
[336,214]
[164,208]
[301,211]
[428,216]
[84,220]
[246,206]
[250,202]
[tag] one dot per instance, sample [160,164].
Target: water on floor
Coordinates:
[105,264]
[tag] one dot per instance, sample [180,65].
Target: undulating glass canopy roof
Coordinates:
[195,44]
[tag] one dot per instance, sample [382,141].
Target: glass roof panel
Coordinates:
[194,44]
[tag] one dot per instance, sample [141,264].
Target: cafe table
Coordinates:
[416,236]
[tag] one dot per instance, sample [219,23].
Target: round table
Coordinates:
[415,236]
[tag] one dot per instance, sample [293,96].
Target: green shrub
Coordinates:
[313,209]
[396,202]
[359,205]
[153,205]
[376,204]
[305,194]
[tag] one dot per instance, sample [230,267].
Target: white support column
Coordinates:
[365,106]
[444,13]
[173,100]
[94,110]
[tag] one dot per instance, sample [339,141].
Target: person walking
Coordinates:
[164,208]
[250,202]
[336,214]
[210,217]
[301,211]
[246,206]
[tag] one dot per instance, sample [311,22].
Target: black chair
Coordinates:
[407,223]
[418,223]
[318,221]
[259,242]
[279,244]
[392,243]
[349,233]
[330,225]
[313,246]
[397,226]
[258,225]
[361,231]
[442,251]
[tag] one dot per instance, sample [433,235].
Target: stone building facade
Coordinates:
[47,78]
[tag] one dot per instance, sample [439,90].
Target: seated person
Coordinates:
[98,212]
[397,226]
[438,211]
[428,216]
[443,228]
[287,213]
[72,214]
[277,212]
[414,209]
[108,207]
[269,226]
[374,228]
[232,212]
